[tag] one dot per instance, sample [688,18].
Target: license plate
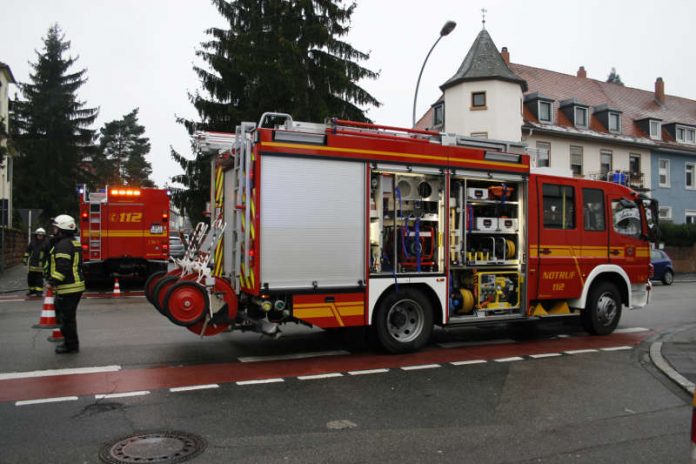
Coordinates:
[156,229]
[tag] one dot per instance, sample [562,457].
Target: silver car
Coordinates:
[176,247]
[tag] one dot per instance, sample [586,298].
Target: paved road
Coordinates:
[502,394]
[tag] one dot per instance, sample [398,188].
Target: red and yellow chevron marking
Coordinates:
[326,311]
[219,187]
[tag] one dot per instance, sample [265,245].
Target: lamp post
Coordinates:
[446,29]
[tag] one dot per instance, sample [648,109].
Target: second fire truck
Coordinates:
[351,224]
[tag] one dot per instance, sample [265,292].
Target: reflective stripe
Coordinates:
[35,269]
[70,288]
[76,267]
[57,275]
[62,255]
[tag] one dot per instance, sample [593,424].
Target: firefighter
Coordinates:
[35,259]
[65,276]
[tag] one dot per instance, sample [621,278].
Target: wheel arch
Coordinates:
[605,273]
[426,290]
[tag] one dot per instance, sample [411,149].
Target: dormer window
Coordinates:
[581,117]
[655,129]
[614,122]
[686,134]
[545,111]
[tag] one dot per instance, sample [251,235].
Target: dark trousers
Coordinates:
[66,313]
[35,281]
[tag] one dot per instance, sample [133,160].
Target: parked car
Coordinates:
[663,267]
[176,247]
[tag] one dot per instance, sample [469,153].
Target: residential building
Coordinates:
[576,125]
[6,78]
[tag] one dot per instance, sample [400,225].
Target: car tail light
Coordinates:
[651,271]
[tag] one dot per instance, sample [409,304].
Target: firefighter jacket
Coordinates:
[36,256]
[65,266]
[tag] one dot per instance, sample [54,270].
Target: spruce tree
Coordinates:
[120,158]
[277,55]
[51,129]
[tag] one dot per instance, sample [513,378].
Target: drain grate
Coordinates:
[153,447]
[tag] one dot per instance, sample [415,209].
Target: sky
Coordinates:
[140,53]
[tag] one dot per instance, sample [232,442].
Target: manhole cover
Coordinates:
[169,447]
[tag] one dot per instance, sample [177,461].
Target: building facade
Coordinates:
[575,125]
[6,78]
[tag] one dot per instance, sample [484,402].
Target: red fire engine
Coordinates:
[124,231]
[351,224]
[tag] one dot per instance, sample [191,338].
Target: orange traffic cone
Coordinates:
[117,288]
[48,313]
[56,336]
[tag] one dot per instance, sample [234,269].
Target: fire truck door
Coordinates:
[125,230]
[559,243]
[628,247]
[595,230]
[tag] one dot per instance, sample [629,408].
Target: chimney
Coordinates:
[506,55]
[581,72]
[660,90]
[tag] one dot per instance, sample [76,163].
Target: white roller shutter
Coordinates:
[312,222]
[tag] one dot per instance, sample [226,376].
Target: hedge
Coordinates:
[678,235]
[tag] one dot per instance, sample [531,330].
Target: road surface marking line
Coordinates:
[511,359]
[260,381]
[283,357]
[194,387]
[368,371]
[504,341]
[14,300]
[52,372]
[631,330]
[617,348]
[562,336]
[320,376]
[121,395]
[420,366]
[589,350]
[46,400]
[544,355]
[466,363]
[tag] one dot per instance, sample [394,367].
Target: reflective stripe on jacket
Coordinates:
[37,254]
[65,266]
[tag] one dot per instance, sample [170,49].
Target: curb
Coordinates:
[661,363]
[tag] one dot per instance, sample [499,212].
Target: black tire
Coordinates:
[150,283]
[403,322]
[179,296]
[668,277]
[602,309]
[157,296]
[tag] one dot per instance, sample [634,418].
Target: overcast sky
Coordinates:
[139,53]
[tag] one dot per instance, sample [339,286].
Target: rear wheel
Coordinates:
[186,303]
[668,278]
[403,322]
[150,284]
[602,310]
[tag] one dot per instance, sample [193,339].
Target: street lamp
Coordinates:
[446,29]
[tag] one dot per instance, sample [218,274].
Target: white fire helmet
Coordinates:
[64,222]
[40,231]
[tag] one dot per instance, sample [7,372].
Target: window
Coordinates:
[686,134]
[580,116]
[576,160]
[605,163]
[665,213]
[480,135]
[478,99]
[438,115]
[559,206]
[690,216]
[593,209]
[681,132]
[545,111]
[655,130]
[614,122]
[690,135]
[634,164]
[543,154]
[690,180]
[663,170]
[626,216]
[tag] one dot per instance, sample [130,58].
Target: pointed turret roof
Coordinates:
[483,62]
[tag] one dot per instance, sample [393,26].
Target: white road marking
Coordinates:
[589,350]
[631,330]
[260,381]
[14,300]
[466,363]
[121,395]
[511,359]
[320,376]
[368,371]
[420,366]
[562,336]
[617,348]
[283,357]
[544,355]
[52,372]
[504,341]
[194,387]
[46,400]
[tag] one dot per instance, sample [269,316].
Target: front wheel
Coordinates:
[602,310]
[668,278]
[403,322]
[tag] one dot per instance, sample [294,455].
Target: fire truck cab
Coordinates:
[351,224]
[124,231]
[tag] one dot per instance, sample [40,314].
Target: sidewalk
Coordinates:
[14,279]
